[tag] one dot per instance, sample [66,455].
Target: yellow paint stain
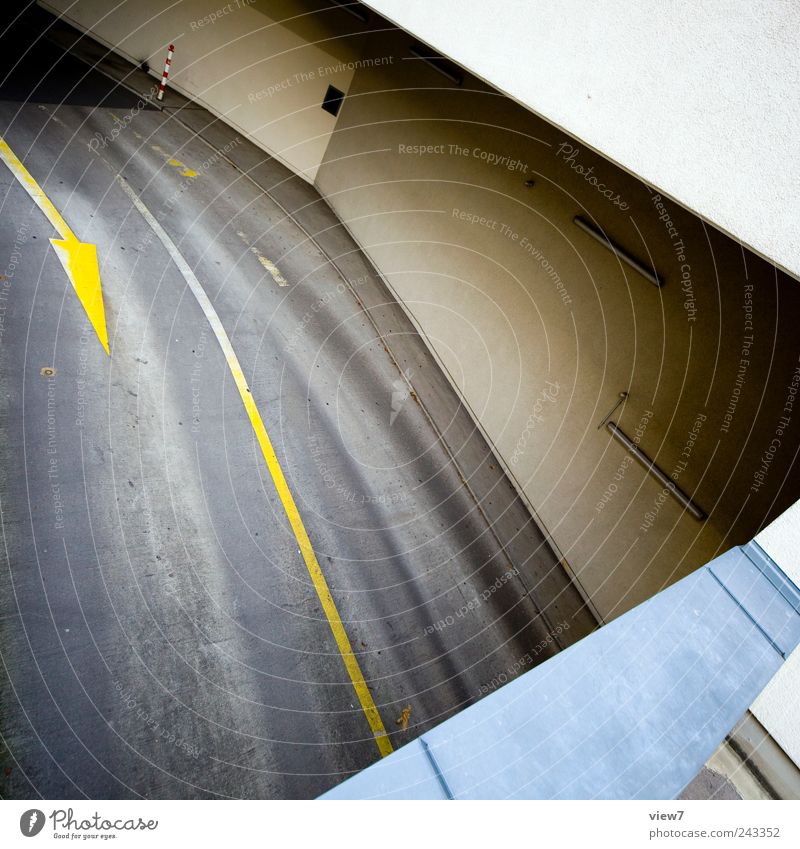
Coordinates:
[403,719]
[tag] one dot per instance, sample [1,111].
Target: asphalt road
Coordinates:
[161,635]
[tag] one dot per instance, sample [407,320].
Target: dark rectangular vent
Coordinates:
[333,100]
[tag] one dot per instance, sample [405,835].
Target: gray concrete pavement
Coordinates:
[160,634]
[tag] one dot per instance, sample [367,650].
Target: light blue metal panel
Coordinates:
[620,715]
[632,711]
[764,593]
[773,573]
[409,773]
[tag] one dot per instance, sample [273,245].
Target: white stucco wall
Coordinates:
[701,100]
[778,707]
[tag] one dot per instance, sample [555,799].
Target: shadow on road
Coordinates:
[32,70]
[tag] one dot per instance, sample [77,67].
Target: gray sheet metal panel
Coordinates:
[632,711]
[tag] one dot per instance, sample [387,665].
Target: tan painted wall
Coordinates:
[524,297]
[266,78]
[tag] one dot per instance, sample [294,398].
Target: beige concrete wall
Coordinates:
[263,66]
[515,299]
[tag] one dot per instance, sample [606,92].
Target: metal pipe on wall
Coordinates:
[677,493]
[634,263]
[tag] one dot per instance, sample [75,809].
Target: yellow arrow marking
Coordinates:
[79,259]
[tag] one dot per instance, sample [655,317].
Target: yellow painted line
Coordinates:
[268,264]
[279,480]
[78,259]
[185,170]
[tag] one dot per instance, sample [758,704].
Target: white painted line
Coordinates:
[272,268]
[266,263]
[184,268]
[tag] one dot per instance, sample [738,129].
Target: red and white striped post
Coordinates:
[165,75]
